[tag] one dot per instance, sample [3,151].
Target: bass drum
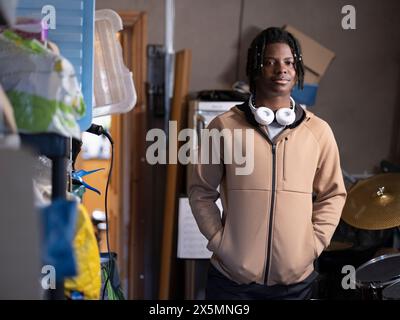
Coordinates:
[377,274]
[392,292]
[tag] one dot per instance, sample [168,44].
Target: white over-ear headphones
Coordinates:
[265,116]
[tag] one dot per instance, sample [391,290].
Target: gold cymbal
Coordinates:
[338,246]
[374,203]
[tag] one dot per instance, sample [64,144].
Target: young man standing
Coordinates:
[271,229]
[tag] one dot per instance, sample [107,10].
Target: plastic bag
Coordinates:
[41,86]
[111,285]
[88,280]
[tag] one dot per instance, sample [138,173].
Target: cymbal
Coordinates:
[338,246]
[374,203]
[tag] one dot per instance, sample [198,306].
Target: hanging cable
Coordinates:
[99,130]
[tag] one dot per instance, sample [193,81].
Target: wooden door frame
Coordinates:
[126,232]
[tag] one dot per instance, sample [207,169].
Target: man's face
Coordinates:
[278,75]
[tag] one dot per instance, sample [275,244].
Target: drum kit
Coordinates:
[374,204]
[379,278]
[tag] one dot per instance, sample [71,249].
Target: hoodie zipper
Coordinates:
[271,213]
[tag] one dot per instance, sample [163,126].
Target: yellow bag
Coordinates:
[88,280]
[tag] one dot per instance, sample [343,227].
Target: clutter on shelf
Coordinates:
[41,86]
[87,283]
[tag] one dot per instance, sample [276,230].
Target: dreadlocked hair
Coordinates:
[256,52]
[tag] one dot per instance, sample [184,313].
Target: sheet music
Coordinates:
[191,243]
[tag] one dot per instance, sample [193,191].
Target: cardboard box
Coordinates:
[316,57]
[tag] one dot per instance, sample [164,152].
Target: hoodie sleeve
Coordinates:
[330,191]
[203,191]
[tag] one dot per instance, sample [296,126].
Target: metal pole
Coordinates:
[169,58]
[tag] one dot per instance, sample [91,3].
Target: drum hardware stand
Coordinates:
[396,238]
[374,291]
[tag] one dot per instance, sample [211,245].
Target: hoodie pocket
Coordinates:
[299,163]
[311,227]
[215,241]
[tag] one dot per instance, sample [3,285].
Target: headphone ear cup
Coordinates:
[264,116]
[285,116]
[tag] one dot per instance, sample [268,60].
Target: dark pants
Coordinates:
[220,287]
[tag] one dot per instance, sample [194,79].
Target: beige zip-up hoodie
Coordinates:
[271,230]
